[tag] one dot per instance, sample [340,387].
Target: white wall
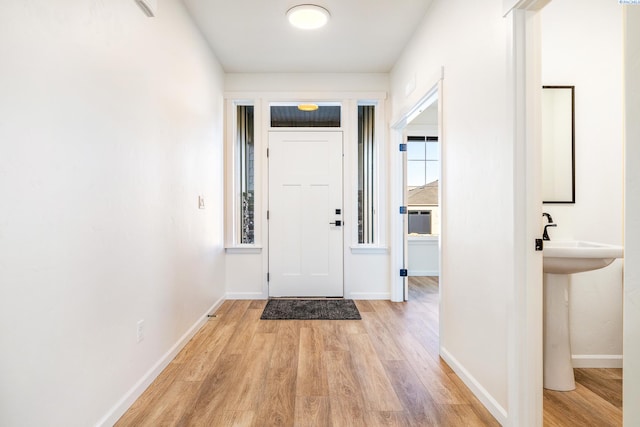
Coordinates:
[631,391]
[301,82]
[468,40]
[366,274]
[582,46]
[110,128]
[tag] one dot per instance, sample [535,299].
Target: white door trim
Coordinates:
[399,193]
[525,308]
[631,312]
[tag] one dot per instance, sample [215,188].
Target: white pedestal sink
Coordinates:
[560,260]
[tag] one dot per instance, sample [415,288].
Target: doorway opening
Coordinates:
[418,228]
[422,189]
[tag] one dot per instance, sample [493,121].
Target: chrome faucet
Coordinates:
[545,234]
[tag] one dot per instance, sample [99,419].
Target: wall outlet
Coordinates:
[140,330]
[200,202]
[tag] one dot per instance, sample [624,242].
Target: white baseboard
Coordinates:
[597,360]
[370,295]
[435,273]
[353,295]
[136,391]
[476,388]
[247,295]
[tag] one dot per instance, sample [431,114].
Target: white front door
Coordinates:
[305,214]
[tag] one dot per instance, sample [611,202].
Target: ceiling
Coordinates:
[254,36]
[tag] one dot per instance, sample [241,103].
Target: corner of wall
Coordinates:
[474,385]
[114,414]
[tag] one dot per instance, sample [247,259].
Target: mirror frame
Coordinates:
[573,148]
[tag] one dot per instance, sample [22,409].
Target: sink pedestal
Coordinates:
[558,367]
[560,260]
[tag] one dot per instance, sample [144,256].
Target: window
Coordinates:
[423,162]
[294,115]
[245,159]
[366,173]
[419,222]
[423,175]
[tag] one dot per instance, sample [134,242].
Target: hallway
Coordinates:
[381,371]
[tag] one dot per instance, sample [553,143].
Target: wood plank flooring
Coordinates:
[596,401]
[383,370]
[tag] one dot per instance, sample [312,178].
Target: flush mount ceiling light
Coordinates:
[307,107]
[308,16]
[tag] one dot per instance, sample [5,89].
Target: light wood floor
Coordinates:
[383,370]
[596,401]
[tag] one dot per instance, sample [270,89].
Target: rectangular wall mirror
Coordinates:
[558,145]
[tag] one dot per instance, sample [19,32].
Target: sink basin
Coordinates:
[560,260]
[576,256]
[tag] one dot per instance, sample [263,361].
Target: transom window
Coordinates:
[305,114]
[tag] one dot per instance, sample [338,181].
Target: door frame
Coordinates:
[524,342]
[631,313]
[399,223]
[342,198]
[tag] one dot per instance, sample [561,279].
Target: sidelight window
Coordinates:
[246,162]
[366,174]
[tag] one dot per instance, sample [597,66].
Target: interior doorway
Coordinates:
[419,191]
[422,187]
[305,214]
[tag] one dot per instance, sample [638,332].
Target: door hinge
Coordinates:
[403,209]
[268,277]
[403,147]
[267,215]
[267,152]
[404,272]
